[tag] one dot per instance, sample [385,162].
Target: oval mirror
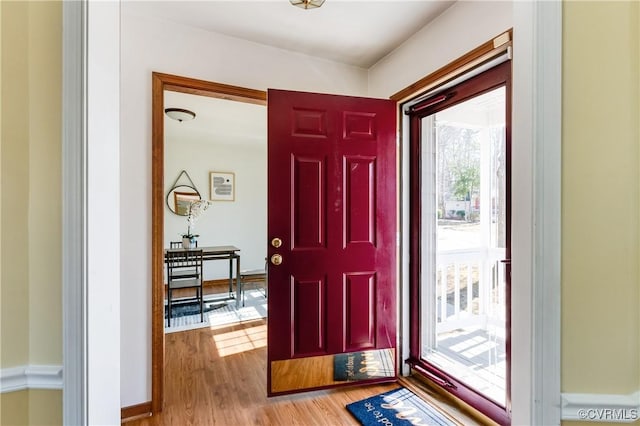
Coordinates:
[179,198]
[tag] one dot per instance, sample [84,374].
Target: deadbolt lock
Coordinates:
[276,242]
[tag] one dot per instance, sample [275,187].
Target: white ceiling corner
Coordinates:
[354,32]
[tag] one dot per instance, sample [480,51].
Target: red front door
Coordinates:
[332,204]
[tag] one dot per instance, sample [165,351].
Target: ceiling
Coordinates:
[354,32]
[218,121]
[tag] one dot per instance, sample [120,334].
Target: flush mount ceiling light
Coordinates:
[307,4]
[180,114]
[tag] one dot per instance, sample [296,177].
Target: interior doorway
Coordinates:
[163,84]
[215,160]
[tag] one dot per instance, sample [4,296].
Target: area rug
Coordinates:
[191,308]
[398,407]
[221,312]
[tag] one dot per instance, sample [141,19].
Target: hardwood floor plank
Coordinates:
[218,377]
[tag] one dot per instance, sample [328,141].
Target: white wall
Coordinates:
[243,222]
[103,240]
[459,29]
[225,136]
[149,45]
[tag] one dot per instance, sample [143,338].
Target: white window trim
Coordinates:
[91,222]
[74,252]
[536,191]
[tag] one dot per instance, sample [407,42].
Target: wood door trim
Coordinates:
[464,63]
[160,83]
[134,412]
[212,89]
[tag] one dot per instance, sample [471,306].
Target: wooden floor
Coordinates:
[218,377]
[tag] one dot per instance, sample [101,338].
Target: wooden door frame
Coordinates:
[160,83]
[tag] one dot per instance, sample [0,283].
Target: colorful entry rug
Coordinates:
[398,407]
[217,312]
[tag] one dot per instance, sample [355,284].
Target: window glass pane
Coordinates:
[463,241]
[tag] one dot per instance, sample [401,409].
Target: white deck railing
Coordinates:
[458,274]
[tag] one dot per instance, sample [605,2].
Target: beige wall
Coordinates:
[601,188]
[15,185]
[32,407]
[45,183]
[31,308]
[15,408]
[45,407]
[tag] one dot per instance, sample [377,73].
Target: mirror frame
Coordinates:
[160,83]
[174,208]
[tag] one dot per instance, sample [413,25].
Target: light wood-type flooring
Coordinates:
[218,377]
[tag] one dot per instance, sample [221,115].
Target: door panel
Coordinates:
[360,200]
[332,202]
[360,311]
[309,219]
[309,123]
[309,325]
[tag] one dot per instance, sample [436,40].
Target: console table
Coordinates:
[219,253]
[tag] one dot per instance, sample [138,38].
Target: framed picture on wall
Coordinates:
[222,186]
[182,200]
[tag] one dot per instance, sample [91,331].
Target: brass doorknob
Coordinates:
[276,259]
[276,242]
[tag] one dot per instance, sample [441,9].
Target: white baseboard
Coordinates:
[31,377]
[604,408]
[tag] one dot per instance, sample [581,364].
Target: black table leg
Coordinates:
[230,275]
[238,282]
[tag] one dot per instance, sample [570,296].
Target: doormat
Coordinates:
[354,366]
[397,407]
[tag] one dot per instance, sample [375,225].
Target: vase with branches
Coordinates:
[196,209]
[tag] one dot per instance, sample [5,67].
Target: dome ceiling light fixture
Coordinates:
[307,4]
[180,114]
